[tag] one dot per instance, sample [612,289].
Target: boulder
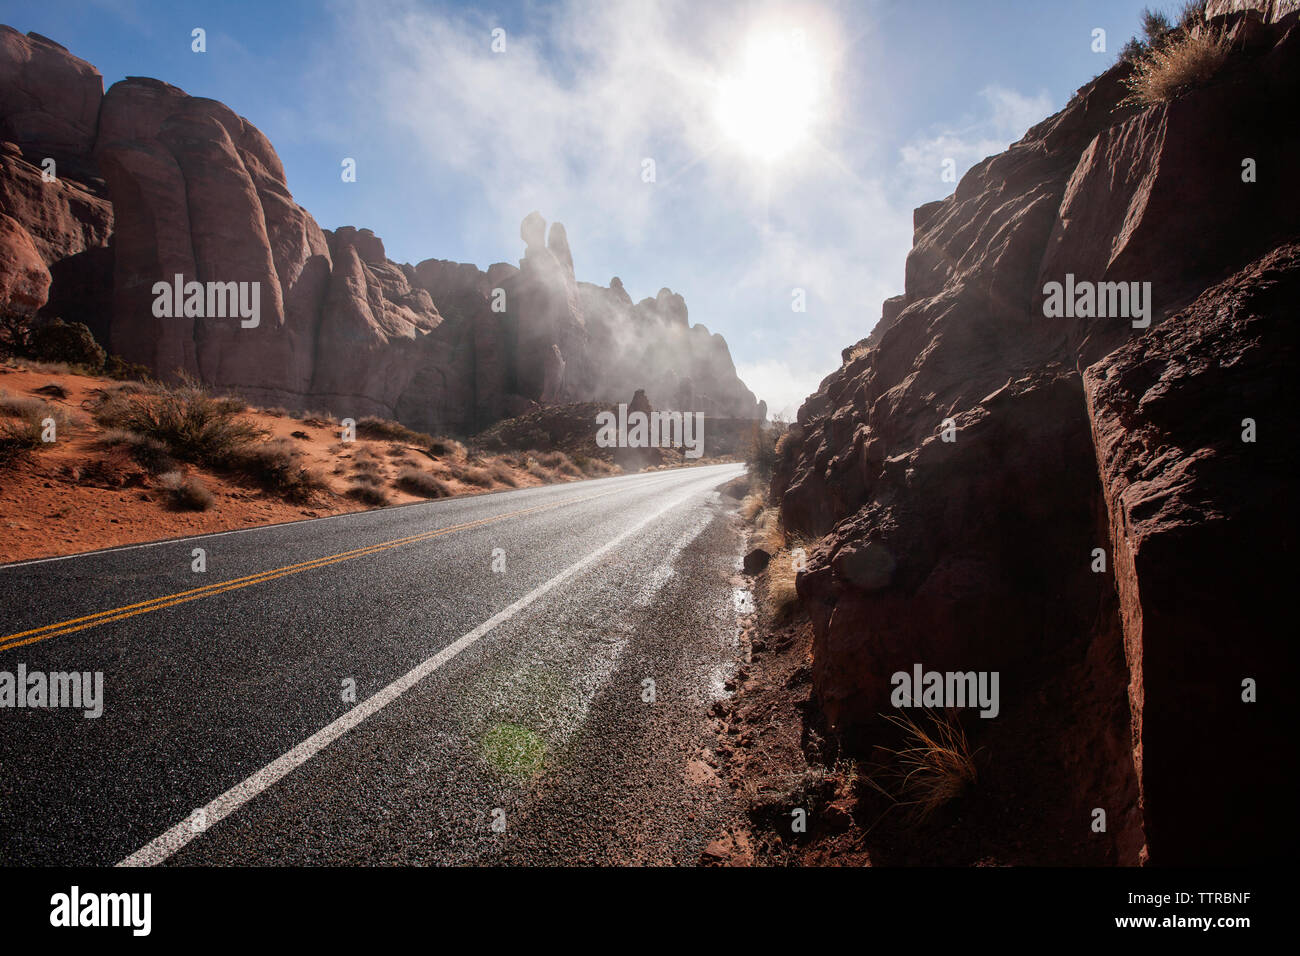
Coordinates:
[24,279]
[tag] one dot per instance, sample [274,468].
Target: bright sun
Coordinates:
[768,107]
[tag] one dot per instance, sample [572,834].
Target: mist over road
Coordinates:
[521,677]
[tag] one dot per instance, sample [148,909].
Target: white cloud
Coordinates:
[782,385]
[1005,117]
[562,121]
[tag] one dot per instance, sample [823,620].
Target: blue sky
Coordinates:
[790,140]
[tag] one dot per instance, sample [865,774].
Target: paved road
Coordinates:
[499,716]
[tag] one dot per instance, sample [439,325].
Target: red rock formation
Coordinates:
[197,190]
[24,279]
[1197,456]
[49,99]
[1067,435]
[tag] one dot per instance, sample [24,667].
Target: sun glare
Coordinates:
[769,105]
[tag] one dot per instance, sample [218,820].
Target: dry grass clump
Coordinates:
[502,475]
[319,419]
[381,428]
[149,453]
[934,767]
[751,506]
[769,534]
[280,468]
[190,423]
[111,470]
[186,423]
[474,475]
[22,425]
[27,408]
[416,482]
[230,404]
[368,490]
[186,493]
[445,448]
[596,467]
[557,462]
[364,465]
[1183,61]
[781,572]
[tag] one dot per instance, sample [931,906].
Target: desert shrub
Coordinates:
[1154,25]
[53,368]
[52,389]
[1133,50]
[149,453]
[473,475]
[319,419]
[230,404]
[558,463]
[446,448]
[416,482]
[538,470]
[385,430]
[1192,14]
[1188,60]
[18,437]
[14,325]
[501,474]
[367,466]
[186,493]
[594,467]
[23,407]
[280,468]
[193,425]
[70,342]
[111,470]
[368,493]
[760,451]
[22,425]
[119,368]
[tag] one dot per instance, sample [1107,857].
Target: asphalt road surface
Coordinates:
[512,678]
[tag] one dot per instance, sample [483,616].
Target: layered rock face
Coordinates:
[190,188]
[1078,502]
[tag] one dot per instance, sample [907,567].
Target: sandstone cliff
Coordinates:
[151,182]
[964,464]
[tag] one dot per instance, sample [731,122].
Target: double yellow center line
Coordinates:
[11,641]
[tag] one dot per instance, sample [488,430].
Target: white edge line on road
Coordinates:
[182,833]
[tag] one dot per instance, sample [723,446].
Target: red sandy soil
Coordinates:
[75,495]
